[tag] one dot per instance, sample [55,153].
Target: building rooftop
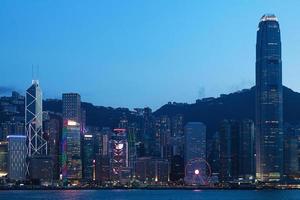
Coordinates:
[268,17]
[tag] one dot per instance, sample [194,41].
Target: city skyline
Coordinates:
[248,139]
[125,52]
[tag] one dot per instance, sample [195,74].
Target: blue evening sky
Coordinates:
[135,53]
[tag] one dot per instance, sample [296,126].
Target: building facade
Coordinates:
[71,151]
[195,152]
[17,153]
[88,157]
[52,128]
[119,155]
[229,146]
[269,133]
[71,107]
[236,140]
[195,141]
[36,144]
[152,170]
[3,158]
[246,150]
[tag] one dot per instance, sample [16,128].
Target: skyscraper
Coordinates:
[195,149]
[36,144]
[103,155]
[269,134]
[162,137]
[229,134]
[119,154]
[71,107]
[52,128]
[292,151]
[88,156]
[236,150]
[16,157]
[71,151]
[131,138]
[246,149]
[71,137]
[195,141]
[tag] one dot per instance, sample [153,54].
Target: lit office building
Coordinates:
[177,139]
[37,148]
[71,137]
[214,155]
[88,156]
[3,158]
[195,149]
[71,107]
[11,128]
[269,115]
[161,167]
[132,154]
[292,152]
[162,137]
[106,136]
[147,136]
[236,140]
[71,151]
[83,120]
[246,150]
[52,128]
[36,144]
[41,169]
[103,154]
[152,170]
[119,154]
[17,153]
[229,168]
[195,141]
[177,126]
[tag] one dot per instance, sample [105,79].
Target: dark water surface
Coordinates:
[150,194]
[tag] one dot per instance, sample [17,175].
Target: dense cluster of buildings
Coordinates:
[42,147]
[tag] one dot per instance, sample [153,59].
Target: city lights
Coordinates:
[72,123]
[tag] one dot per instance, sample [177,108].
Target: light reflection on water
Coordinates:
[151,194]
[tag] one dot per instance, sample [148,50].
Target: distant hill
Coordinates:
[237,105]
[95,115]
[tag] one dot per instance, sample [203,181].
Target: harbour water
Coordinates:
[150,194]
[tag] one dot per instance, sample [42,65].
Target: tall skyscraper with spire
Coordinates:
[269,131]
[36,144]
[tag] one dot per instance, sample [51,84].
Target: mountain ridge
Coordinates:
[237,105]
